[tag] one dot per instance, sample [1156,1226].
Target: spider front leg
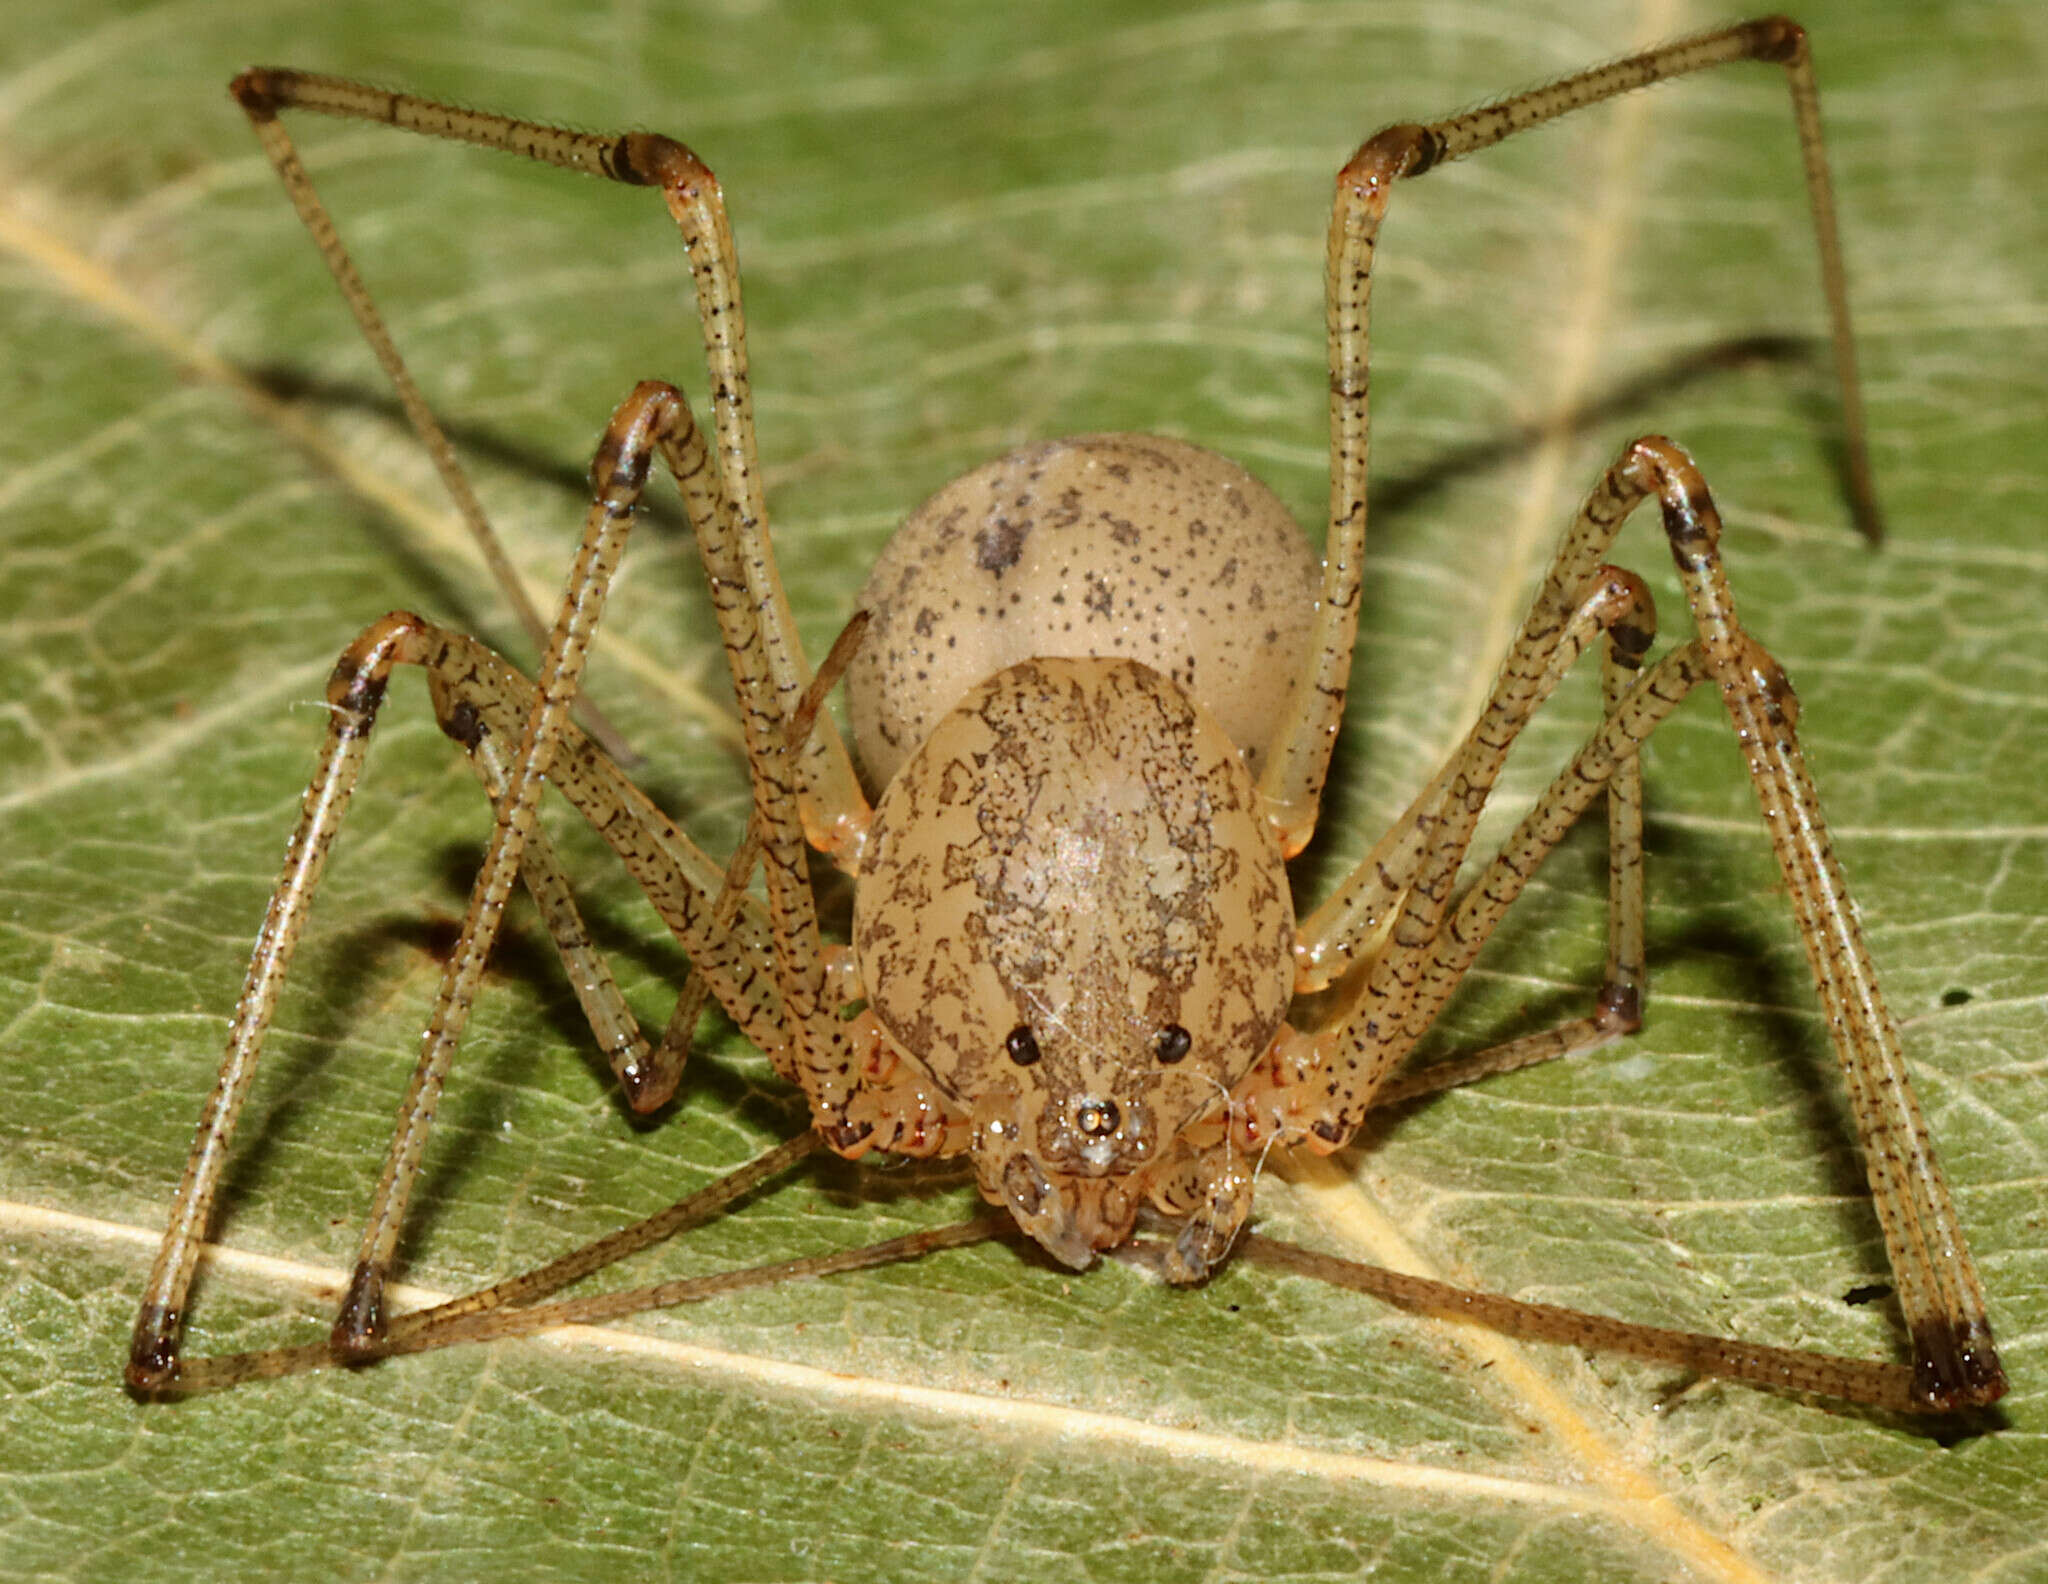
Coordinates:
[482,704]
[1298,763]
[691,192]
[1321,1095]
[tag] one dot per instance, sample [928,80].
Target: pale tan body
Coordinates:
[1123,546]
[1099,692]
[1075,847]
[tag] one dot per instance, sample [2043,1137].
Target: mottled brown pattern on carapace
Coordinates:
[1112,544]
[1078,851]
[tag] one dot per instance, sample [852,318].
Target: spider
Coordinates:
[1094,686]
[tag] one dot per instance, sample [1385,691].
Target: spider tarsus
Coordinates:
[153,1355]
[1957,1366]
[1620,1008]
[359,1327]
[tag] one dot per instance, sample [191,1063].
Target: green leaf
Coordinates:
[963,227]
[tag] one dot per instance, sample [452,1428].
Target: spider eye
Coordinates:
[1022,1045]
[1172,1044]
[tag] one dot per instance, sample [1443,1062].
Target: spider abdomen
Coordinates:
[1114,545]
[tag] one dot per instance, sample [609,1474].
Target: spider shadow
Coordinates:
[360,968]
[1397,494]
[1729,960]
[472,442]
[1394,495]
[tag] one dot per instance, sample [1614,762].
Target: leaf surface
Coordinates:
[964,227]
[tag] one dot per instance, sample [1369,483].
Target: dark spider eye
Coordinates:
[1022,1045]
[1172,1044]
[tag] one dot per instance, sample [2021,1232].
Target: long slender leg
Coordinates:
[668,1058]
[819,1049]
[1562,619]
[1880,1385]
[500,1324]
[642,421]
[353,696]
[691,192]
[512,1308]
[481,702]
[1578,599]
[727,933]
[1351,924]
[478,695]
[478,698]
[1939,1292]
[768,665]
[808,1041]
[1293,779]
[1915,1388]
[284,159]
[1619,1008]
[625,1047]
[1301,1087]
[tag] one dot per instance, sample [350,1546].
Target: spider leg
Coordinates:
[512,1308]
[1881,1385]
[261,100]
[1618,1010]
[806,788]
[480,700]
[1955,1361]
[832,799]
[1317,1087]
[669,1057]
[1351,924]
[1292,782]
[1434,943]
[653,418]
[1412,885]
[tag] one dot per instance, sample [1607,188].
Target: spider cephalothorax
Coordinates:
[1074,915]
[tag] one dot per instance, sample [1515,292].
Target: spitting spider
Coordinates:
[1094,687]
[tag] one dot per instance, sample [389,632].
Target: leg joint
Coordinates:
[1776,38]
[1662,468]
[1758,674]
[356,686]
